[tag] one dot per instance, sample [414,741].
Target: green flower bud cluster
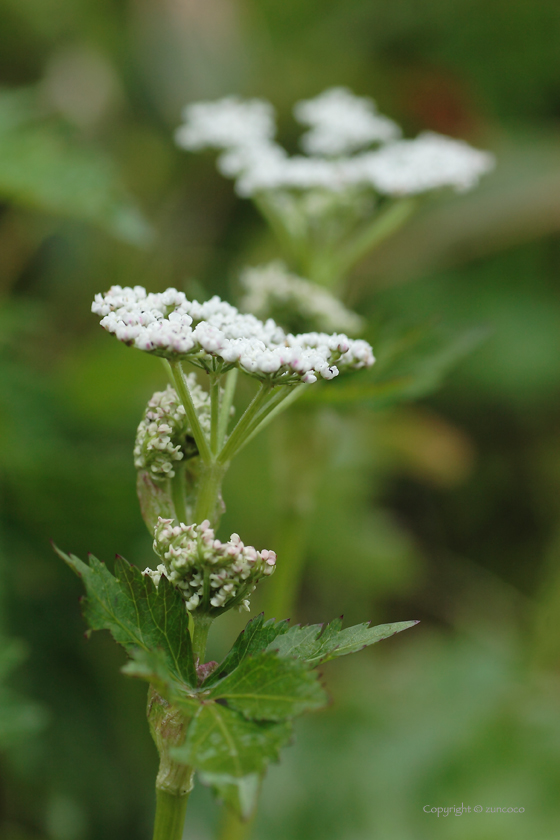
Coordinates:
[212,576]
[164,435]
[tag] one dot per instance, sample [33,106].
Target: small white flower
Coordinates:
[156,575]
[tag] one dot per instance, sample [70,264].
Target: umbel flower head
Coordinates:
[164,435]
[272,289]
[342,128]
[212,576]
[215,336]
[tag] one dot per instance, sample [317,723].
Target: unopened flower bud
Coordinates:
[164,436]
[212,576]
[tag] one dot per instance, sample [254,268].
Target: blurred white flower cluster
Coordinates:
[216,333]
[342,128]
[229,123]
[164,433]
[341,123]
[211,575]
[271,288]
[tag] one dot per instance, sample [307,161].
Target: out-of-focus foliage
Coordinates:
[42,169]
[445,510]
[18,717]
[411,363]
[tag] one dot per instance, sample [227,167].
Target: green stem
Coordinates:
[201,626]
[374,233]
[232,828]
[179,496]
[209,493]
[269,412]
[301,446]
[239,432]
[227,401]
[291,547]
[170,815]
[293,246]
[214,411]
[181,384]
[174,781]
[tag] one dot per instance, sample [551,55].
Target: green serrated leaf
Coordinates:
[256,636]
[267,687]
[313,644]
[138,615]
[221,741]
[229,752]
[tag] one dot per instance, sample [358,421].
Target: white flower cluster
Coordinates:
[215,332]
[341,124]
[211,575]
[429,161]
[226,124]
[272,288]
[164,434]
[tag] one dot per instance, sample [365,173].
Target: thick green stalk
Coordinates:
[209,495]
[174,781]
[178,495]
[170,815]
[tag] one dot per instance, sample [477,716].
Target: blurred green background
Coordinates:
[443,507]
